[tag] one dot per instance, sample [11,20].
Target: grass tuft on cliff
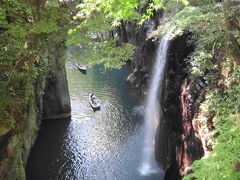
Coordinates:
[224,161]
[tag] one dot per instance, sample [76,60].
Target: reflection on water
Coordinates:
[99,145]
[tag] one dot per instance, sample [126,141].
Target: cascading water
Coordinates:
[151,116]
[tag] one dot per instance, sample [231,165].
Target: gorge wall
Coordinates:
[56,99]
[50,101]
[33,80]
[180,104]
[178,143]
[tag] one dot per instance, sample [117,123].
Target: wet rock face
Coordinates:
[142,63]
[171,127]
[180,97]
[177,142]
[139,79]
[56,98]
[144,54]
[4,140]
[191,147]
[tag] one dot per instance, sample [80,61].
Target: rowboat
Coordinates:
[81,68]
[94,101]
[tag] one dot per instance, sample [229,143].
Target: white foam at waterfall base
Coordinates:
[146,170]
[151,116]
[139,110]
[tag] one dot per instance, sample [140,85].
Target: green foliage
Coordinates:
[28,39]
[94,34]
[96,18]
[2,17]
[113,10]
[222,162]
[152,6]
[95,51]
[171,7]
[197,20]
[200,3]
[213,59]
[44,27]
[224,102]
[119,10]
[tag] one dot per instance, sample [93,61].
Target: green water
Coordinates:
[101,145]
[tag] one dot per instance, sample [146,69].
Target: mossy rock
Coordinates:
[12,167]
[4,129]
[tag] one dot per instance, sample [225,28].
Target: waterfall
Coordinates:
[151,116]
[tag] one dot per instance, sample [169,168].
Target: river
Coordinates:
[100,145]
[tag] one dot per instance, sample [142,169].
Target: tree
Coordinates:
[29,32]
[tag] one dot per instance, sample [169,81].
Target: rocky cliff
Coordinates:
[50,101]
[180,103]
[178,143]
[56,99]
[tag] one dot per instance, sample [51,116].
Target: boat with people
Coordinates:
[94,101]
[82,68]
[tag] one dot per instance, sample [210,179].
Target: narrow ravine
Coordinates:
[101,145]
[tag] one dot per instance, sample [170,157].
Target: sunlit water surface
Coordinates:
[101,145]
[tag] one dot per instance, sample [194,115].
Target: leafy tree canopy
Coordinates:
[30,31]
[95,19]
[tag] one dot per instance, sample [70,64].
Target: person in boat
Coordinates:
[94,98]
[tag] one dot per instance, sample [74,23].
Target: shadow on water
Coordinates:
[100,145]
[83,71]
[45,148]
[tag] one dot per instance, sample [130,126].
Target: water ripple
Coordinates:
[101,145]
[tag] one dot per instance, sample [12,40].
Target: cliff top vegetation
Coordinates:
[31,30]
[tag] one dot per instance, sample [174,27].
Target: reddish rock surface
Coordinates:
[191,145]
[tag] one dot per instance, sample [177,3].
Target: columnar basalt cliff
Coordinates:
[180,103]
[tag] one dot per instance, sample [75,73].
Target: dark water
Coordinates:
[101,145]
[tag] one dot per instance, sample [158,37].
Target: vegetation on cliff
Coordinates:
[215,32]
[31,33]
[95,33]
[214,28]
